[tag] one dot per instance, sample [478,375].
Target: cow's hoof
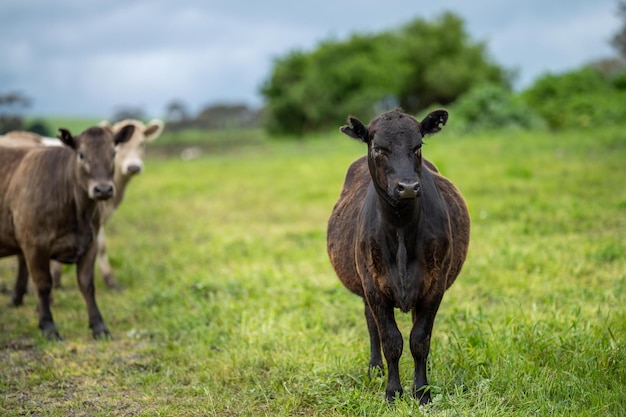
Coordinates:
[422,395]
[111,282]
[102,333]
[15,302]
[375,371]
[51,333]
[115,286]
[393,394]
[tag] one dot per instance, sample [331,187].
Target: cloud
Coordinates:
[76,57]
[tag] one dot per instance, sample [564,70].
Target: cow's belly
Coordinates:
[8,246]
[69,248]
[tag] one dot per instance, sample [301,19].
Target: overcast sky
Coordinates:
[88,58]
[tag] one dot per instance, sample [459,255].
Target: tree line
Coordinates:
[426,64]
[417,66]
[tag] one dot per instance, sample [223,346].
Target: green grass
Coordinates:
[231,307]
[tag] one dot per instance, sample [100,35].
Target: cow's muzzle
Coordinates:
[102,191]
[408,189]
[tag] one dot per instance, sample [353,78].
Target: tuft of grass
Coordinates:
[230,306]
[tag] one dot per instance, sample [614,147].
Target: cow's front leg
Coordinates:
[391,340]
[38,263]
[85,273]
[423,321]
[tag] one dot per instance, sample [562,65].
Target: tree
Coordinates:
[11,106]
[415,66]
[128,112]
[619,40]
[225,116]
[176,112]
[444,63]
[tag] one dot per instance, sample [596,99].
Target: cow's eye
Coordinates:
[81,156]
[378,151]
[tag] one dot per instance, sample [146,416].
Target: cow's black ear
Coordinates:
[124,134]
[66,137]
[433,122]
[355,129]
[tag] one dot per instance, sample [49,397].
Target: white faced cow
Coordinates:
[128,163]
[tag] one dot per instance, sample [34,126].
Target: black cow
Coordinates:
[398,237]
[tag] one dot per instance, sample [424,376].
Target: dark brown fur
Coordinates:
[49,210]
[398,248]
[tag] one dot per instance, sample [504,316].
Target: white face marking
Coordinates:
[130,154]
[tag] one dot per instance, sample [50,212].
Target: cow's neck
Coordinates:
[403,215]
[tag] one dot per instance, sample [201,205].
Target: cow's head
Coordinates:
[95,156]
[130,154]
[395,151]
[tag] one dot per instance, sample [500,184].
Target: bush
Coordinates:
[492,107]
[577,99]
[413,66]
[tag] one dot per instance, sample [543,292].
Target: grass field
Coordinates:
[231,308]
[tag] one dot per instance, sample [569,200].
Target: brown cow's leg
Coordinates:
[38,262]
[391,340]
[84,273]
[21,282]
[376,359]
[423,321]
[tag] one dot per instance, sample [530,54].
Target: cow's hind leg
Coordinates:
[376,359]
[38,262]
[103,261]
[56,269]
[21,282]
[85,273]
[423,321]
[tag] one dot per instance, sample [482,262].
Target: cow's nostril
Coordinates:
[134,169]
[103,191]
[408,189]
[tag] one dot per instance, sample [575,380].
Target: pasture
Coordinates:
[231,307]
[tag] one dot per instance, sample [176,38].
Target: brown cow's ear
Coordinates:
[433,122]
[124,134]
[66,137]
[355,129]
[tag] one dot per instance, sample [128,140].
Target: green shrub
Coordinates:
[619,81]
[492,107]
[412,66]
[579,99]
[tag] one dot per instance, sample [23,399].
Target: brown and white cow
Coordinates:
[49,209]
[128,163]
